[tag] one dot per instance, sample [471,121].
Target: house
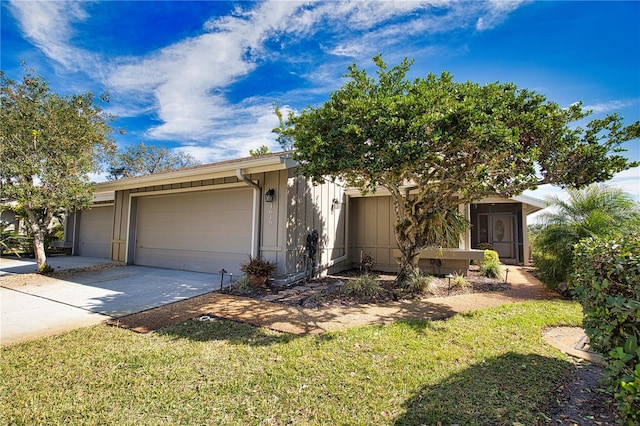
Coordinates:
[9,219]
[211,217]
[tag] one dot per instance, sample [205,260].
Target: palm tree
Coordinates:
[594,211]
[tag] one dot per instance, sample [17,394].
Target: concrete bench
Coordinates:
[443,261]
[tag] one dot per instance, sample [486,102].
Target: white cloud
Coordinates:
[185,83]
[610,106]
[49,26]
[497,12]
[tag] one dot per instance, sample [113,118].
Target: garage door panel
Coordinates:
[193,260]
[198,241]
[198,231]
[96,228]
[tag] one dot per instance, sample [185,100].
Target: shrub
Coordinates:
[595,211]
[606,280]
[491,269]
[418,283]
[491,256]
[365,285]
[485,246]
[240,287]
[367,263]
[551,270]
[258,267]
[9,239]
[459,280]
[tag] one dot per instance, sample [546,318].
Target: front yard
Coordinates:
[486,367]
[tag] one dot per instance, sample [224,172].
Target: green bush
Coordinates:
[594,211]
[491,269]
[491,256]
[485,246]
[418,283]
[10,240]
[552,270]
[459,280]
[365,285]
[240,287]
[606,280]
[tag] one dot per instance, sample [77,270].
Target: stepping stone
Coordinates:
[272,297]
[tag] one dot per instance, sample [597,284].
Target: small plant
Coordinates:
[363,286]
[491,269]
[240,287]
[367,263]
[485,246]
[459,281]
[418,283]
[258,267]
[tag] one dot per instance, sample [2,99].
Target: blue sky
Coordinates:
[202,76]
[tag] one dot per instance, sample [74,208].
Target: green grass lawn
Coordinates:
[487,367]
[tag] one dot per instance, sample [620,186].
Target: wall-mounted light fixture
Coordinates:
[270,195]
[335,204]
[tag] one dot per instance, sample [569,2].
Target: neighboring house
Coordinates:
[211,217]
[12,222]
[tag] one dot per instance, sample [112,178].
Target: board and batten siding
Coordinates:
[371,231]
[316,207]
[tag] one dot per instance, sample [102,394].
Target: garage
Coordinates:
[94,233]
[202,231]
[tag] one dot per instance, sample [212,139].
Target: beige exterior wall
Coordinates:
[315,207]
[371,231]
[371,220]
[281,226]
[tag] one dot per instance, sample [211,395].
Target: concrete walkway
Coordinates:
[33,305]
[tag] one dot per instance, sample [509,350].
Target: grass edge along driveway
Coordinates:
[486,367]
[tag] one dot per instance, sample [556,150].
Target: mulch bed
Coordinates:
[320,293]
[326,291]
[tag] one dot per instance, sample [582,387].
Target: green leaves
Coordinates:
[48,146]
[141,159]
[456,142]
[607,275]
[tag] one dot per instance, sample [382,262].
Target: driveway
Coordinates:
[34,305]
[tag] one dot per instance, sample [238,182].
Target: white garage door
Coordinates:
[202,231]
[96,227]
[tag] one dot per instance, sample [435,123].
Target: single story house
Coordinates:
[211,217]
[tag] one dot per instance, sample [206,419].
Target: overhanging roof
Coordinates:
[264,163]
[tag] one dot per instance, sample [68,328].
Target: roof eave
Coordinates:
[210,171]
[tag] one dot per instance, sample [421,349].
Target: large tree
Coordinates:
[434,143]
[49,144]
[141,159]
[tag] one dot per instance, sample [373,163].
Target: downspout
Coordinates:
[256,214]
[345,256]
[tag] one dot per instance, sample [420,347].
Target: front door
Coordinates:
[503,235]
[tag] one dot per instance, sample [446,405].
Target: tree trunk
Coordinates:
[408,265]
[405,233]
[39,250]
[39,232]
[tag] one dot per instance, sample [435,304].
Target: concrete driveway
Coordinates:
[38,306]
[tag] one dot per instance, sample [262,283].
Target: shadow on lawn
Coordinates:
[505,390]
[234,332]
